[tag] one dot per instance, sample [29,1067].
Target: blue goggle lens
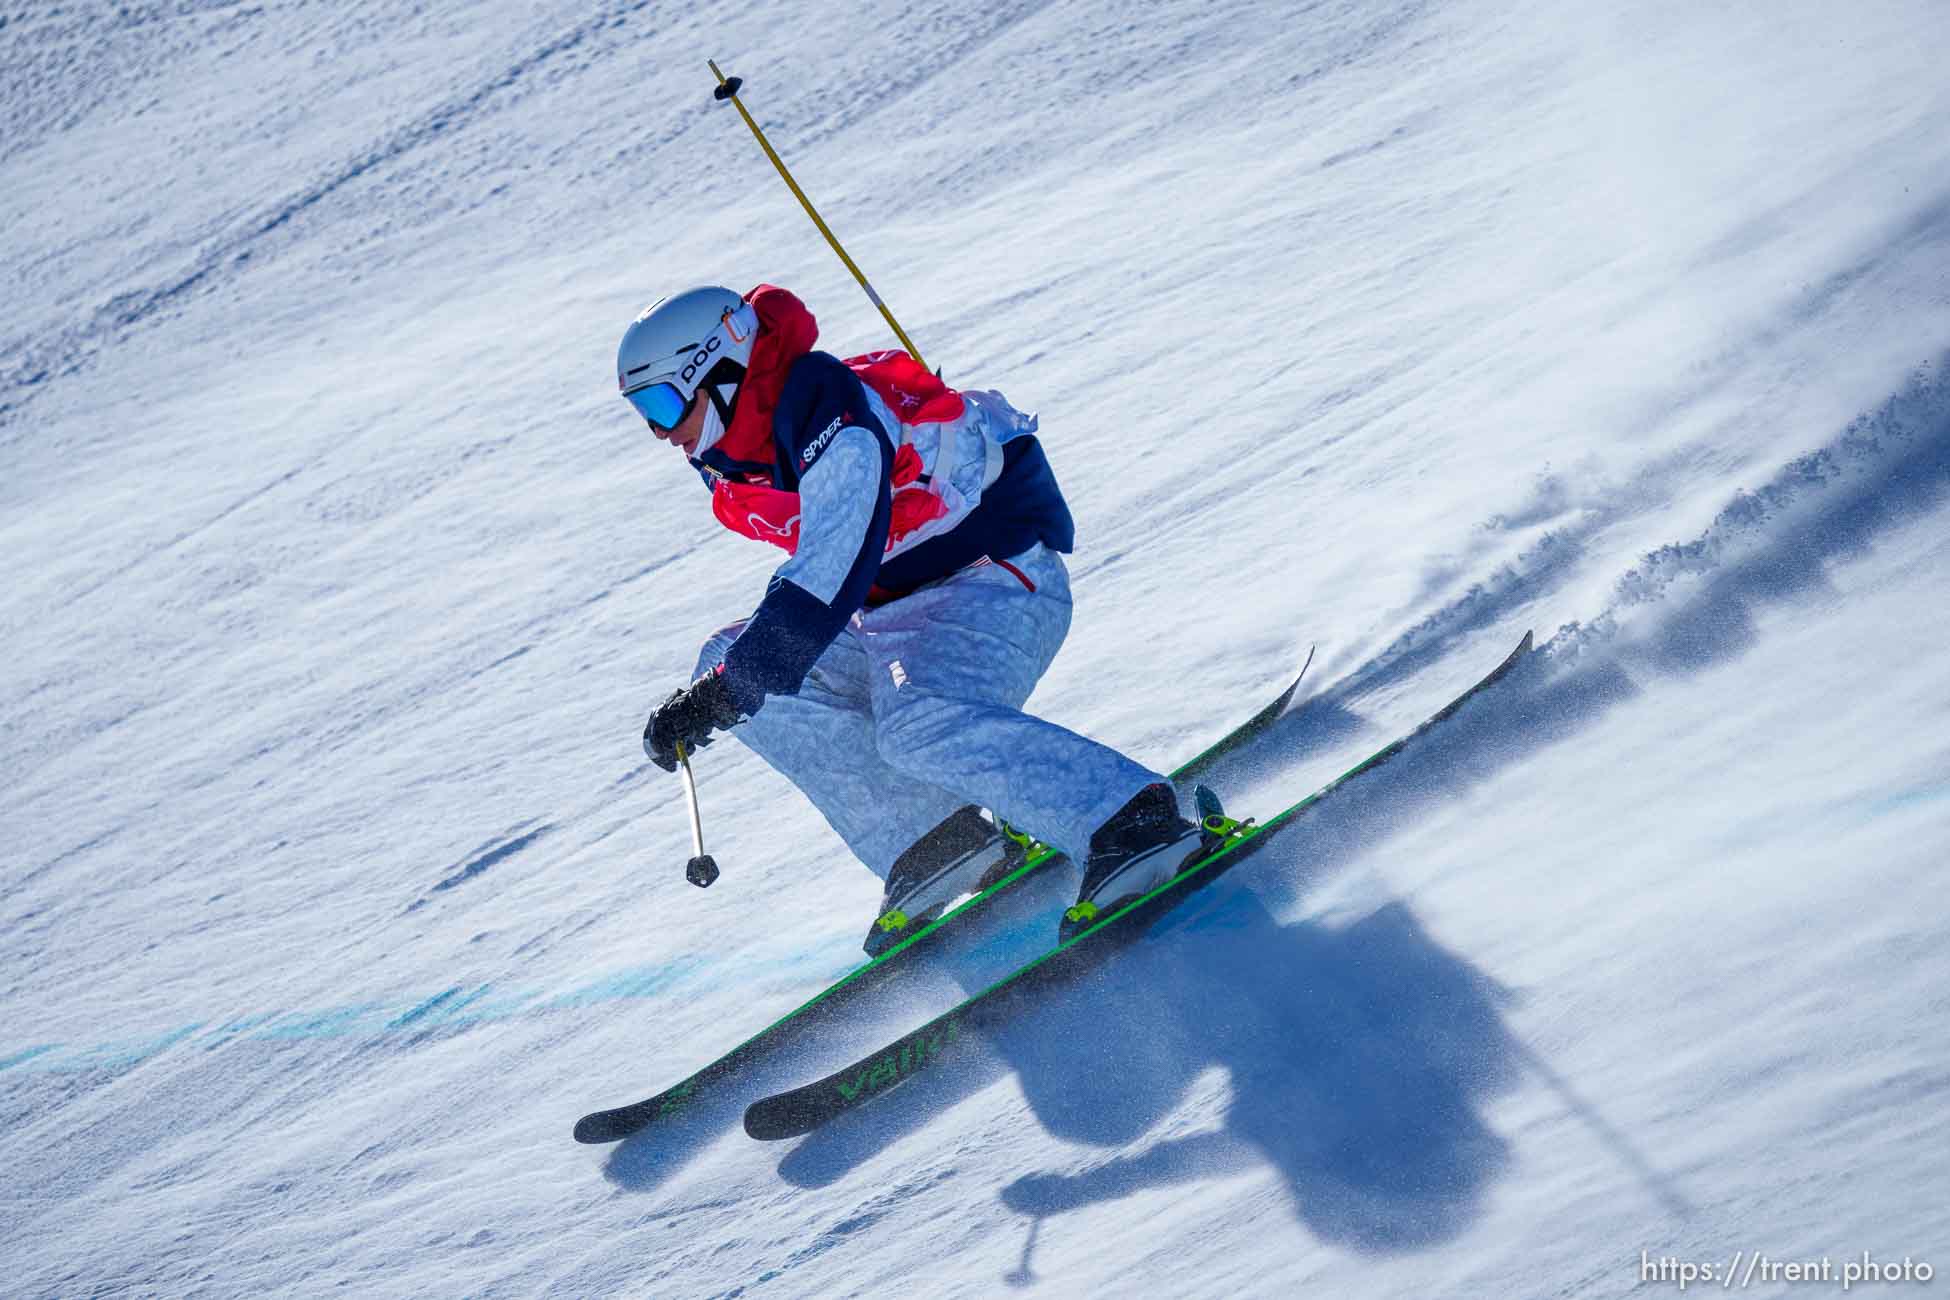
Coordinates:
[661,404]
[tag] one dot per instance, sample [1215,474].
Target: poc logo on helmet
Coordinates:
[702,355]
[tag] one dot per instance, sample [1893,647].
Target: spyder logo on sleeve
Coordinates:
[819,442]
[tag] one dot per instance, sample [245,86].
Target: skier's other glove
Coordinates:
[689,717]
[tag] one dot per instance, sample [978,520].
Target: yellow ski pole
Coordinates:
[728,89]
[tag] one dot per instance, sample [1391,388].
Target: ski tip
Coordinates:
[1286,696]
[1279,707]
[1511,660]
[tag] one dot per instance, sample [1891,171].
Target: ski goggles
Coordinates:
[662,405]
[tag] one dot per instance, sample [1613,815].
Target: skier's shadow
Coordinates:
[1357,1058]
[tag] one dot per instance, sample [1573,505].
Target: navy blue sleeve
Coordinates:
[821,429]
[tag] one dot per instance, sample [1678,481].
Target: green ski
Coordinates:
[800,1111]
[623,1121]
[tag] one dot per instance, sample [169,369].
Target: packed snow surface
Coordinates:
[339,584]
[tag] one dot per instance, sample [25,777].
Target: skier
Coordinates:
[923,596]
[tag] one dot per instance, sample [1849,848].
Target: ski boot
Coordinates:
[1144,844]
[963,855]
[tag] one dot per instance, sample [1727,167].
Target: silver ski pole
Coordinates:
[702,869]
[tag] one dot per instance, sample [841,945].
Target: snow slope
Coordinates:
[339,583]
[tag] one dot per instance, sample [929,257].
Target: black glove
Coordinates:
[689,717]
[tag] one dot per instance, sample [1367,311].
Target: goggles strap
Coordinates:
[727,374]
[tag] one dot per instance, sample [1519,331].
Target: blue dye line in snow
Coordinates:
[454,1007]
[433,1005]
[645,981]
[19,1057]
[117,1054]
[1904,799]
[329,1023]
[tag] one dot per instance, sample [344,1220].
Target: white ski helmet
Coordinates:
[697,340]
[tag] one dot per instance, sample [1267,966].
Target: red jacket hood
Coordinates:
[786,332]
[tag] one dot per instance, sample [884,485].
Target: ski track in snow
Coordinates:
[336,887]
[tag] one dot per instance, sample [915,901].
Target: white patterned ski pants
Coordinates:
[916,710]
